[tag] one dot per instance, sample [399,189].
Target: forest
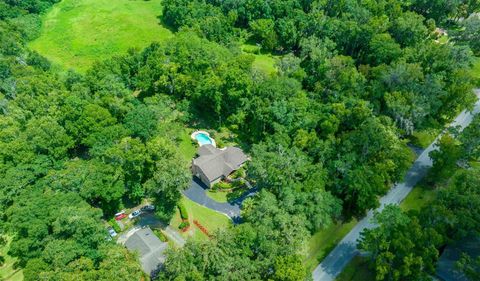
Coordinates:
[328,133]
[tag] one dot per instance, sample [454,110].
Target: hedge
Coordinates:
[114,225]
[183,225]
[183,211]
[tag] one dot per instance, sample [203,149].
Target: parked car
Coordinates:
[112,232]
[120,216]
[135,214]
[148,208]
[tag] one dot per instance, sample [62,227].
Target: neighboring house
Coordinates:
[215,164]
[446,265]
[149,247]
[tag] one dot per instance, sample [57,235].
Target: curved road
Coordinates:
[341,255]
[197,193]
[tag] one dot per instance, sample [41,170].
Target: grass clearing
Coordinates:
[322,242]
[76,33]
[7,272]
[210,219]
[418,198]
[263,62]
[356,270]
[424,138]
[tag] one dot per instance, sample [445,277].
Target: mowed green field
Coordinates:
[76,33]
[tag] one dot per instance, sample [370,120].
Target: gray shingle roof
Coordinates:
[216,163]
[150,248]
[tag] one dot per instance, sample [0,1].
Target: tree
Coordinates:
[470,34]
[400,249]
[101,184]
[470,267]
[445,158]
[408,29]
[383,49]
[264,33]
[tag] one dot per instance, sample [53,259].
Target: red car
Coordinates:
[120,216]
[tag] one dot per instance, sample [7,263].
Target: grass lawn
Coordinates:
[419,197]
[211,220]
[187,147]
[263,61]
[322,242]
[424,138]
[7,272]
[356,270]
[76,33]
[218,196]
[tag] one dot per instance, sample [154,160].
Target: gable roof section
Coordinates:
[216,163]
[149,247]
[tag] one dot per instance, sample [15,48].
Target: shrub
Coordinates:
[114,225]
[222,185]
[160,235]
[183,211]
[240,173]
[184,225]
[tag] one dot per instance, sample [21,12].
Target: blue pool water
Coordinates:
[203,139]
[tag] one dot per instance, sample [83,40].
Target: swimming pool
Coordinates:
[203,139]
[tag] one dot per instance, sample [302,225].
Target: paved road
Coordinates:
[197,193]
[341,255]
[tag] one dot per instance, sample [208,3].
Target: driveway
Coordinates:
[150,220]
[197,192]
[341,255]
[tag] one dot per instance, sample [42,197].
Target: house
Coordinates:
[446,265]
[150,249]
[215,164]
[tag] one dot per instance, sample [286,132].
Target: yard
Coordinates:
[210,219]
[7,272]
[419,197]
[263,62]
[356,270]
[76,33]
[322,242]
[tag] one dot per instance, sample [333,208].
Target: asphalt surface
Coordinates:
[197,192]
[149,219]
[333,264]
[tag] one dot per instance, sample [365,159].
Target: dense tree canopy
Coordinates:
[327,134]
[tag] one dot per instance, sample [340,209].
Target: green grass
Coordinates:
[424,138]
[263,61]
[210,219]
[218,196]
[356,270]
[76,33]
[322,242]
[186,146]
[7,272]
[419,197]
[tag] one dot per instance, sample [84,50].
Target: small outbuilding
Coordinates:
[150,248]
[213,164]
